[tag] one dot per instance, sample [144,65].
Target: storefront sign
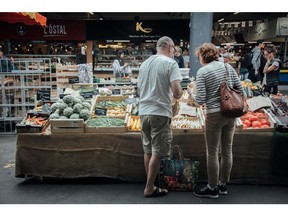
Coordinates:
[137,31]
[140,28]
[54,30]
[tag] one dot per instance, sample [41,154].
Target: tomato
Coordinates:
[256,127]
[247,122]
[253,118]
[245,126]
[259,114]
[265,122]
[264,126]
[256,124]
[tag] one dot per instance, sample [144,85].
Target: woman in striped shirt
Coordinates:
[219,130]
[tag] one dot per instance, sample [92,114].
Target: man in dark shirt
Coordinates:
[178,57]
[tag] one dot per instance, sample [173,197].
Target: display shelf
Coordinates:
[19,87]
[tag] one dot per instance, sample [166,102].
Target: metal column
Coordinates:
[200,32]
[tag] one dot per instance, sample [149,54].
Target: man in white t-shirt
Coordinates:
[158,84]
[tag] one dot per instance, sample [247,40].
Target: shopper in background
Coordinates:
[119,65]
[221,52]
[158,84]
[256,62]
[178,57]
[242,68]
[227,57]
[271,70]
[219,130]
[186,58]
[6,65]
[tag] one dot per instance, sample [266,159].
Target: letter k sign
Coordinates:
[139,28]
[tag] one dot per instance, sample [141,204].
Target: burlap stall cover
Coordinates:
[75,156]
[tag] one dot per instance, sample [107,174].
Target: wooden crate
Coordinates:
[64,126]
[272,127]
[107,129]
[188,130]
[102,98]
[129,126]
[24,128]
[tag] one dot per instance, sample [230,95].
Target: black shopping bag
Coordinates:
[178,173]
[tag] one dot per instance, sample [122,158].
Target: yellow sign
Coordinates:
[139,28]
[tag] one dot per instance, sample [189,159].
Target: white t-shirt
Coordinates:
[154,85]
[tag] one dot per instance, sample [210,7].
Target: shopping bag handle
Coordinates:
[180,153]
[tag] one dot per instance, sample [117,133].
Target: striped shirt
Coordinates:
[208,81]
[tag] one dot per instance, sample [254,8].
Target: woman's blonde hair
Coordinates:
[208,52]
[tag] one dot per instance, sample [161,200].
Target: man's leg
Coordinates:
[153,169]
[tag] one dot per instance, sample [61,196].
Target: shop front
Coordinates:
[59,38]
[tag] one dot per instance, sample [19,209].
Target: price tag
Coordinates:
[73,80]
[100,111]
[43,95]
[131,100]
[86,95]
[116,91]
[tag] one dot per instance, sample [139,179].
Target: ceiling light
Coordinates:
[101,18]
[236,13]
[220,20]
[91,13]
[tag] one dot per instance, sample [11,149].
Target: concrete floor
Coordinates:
[108,191]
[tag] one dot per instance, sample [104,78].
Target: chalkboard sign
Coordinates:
[73,80]
[100,111]
[62,95]
[87,95]
[116,91]
[43,95]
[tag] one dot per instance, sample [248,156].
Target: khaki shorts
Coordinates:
[156,135]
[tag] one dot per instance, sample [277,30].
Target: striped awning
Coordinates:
[28,18]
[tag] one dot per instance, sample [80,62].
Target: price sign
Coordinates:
[86,95]
[43,95]
[100,111]
[62,95]
[116,91]
[73,80]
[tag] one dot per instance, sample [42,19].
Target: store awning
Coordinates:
[28,18]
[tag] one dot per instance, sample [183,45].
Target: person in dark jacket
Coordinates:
[271,70]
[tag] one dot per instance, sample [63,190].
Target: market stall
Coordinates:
[120,156]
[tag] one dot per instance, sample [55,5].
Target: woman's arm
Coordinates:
[269,67]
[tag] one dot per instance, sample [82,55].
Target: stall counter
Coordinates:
[120,156]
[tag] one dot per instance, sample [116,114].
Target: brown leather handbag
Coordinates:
[232,100]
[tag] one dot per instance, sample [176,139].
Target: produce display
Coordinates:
[255,120]
[135,124]
[34,120]
[250,88]
[186,123]
[71,107]
[105,122]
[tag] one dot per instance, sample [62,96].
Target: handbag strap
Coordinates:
[180,153]
[227,72]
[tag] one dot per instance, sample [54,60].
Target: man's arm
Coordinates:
[176,89]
